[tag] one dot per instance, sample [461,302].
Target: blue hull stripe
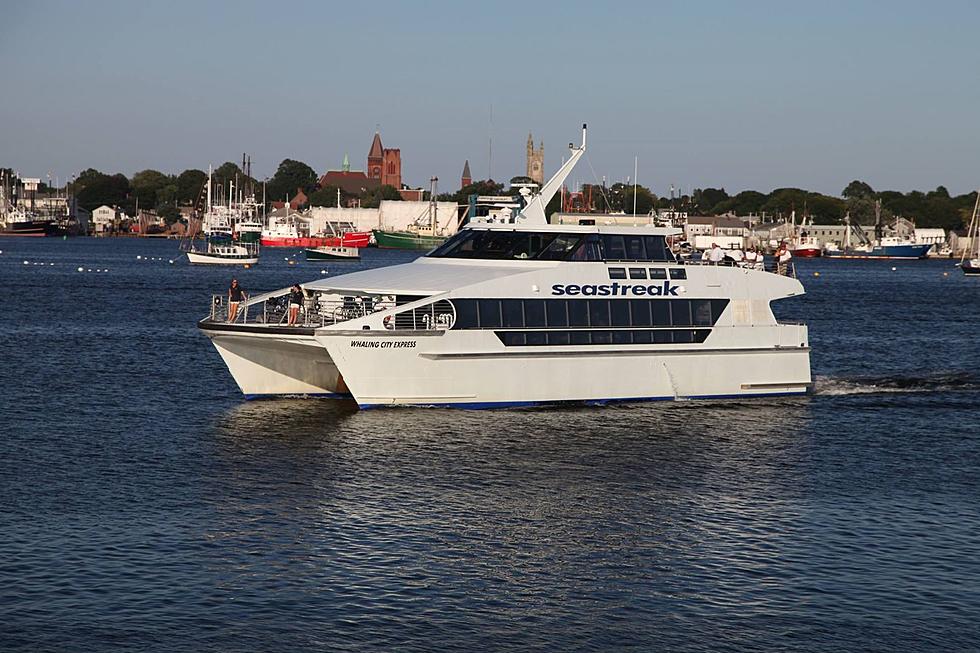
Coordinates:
[485,405]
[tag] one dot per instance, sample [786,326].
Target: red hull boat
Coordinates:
[349,239]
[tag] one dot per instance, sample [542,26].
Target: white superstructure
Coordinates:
[525,313]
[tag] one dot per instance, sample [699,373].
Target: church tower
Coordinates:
[384,164]
[467,178]
[535,161]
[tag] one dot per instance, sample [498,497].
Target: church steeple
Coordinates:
[345,166]
[466,179]
[535,161]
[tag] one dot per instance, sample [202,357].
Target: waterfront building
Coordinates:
[107,220]
[702,231]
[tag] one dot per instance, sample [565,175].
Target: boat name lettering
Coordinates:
[615,288]
[384,344]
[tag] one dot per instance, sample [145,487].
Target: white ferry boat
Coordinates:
[525,313]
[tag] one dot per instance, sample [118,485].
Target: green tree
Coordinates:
[857,189]
[645,200]
[189,185]
[169,213]
[290,177]
[706,199]
[744,203]
[372,199]
[146,184]
[92,189]
[327,196]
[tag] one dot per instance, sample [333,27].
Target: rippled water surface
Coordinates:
[145,506]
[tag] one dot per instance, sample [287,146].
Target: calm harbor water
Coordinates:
[146,506]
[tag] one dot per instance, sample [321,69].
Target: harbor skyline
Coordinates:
[760,96]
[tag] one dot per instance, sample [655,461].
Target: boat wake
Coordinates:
[858,385]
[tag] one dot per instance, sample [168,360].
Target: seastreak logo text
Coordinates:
[615,288]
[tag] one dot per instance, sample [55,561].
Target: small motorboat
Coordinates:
[333,253]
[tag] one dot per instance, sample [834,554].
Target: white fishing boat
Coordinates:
[335,253]
[523,313]
[216,254]
[231,228]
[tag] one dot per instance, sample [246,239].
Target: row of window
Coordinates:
[583,313]
[499,244]
[618,337]
[647,273]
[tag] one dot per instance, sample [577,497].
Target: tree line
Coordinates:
[165,193]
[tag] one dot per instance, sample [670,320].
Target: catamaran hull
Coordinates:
[270,365]
[420,370]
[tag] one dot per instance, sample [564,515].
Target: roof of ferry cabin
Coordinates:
[422,278]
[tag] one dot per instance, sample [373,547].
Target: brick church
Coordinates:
[384,164]
[384,167]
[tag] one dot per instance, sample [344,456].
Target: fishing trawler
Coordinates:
[525,313]
[423,234]
[284,230]
[231,228]
[882,247]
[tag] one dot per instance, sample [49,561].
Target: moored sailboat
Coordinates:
[970,260]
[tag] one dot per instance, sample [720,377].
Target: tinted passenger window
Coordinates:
[701,312]
[534,313]
[466,317]
[513,313]
[578,312]
[678,273]
[638,273]
[635,250]
[614,248]
[617,273]
[557,313]
[599,312]
[658,273]
[489,313]
[681,312]
[619,313]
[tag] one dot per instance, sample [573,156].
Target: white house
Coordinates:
[105,219]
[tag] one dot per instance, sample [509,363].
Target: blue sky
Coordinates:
[735,94]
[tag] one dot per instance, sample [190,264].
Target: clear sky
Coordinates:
[735,94]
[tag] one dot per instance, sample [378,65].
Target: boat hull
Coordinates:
[350,239]
[970,269]
[906,252]
[472,370]
[320,255]
[807,252]
[406,240]
[32,229]
[200,258]
[282,362]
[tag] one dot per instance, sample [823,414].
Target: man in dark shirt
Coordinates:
[236,294]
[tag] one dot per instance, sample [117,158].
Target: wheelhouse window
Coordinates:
[497,244]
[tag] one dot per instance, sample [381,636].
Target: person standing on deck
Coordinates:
[715,254]
[236,294]
[783,257]
[295,303]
